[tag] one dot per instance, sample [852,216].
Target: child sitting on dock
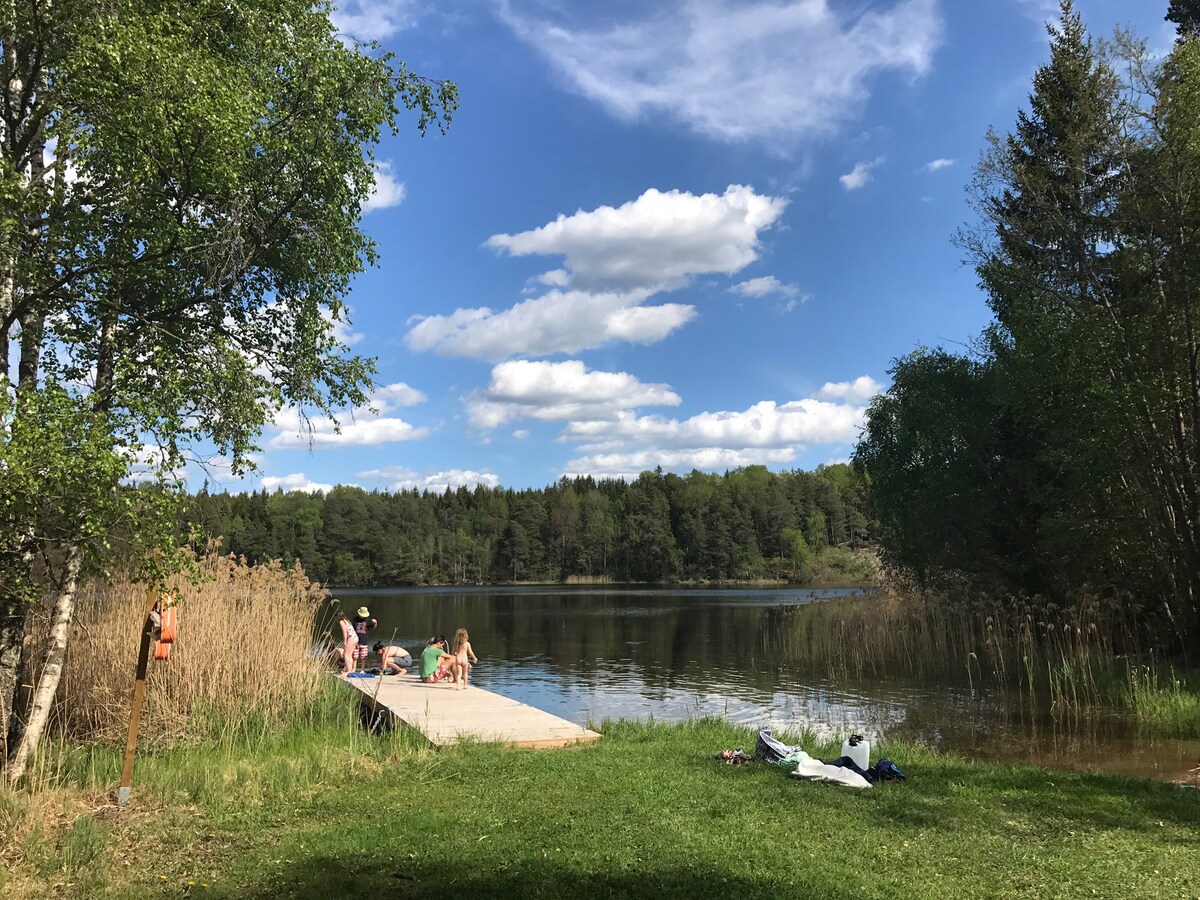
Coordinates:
[393,660]
[461,652]
[436,663]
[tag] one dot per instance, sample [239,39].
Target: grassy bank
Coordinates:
[319,809]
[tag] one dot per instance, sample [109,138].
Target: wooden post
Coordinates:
[139,694]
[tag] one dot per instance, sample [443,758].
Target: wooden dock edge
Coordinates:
[374,697]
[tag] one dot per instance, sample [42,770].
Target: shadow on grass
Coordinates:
[324,878]
[1085,803]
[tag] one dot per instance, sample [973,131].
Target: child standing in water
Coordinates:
[462,652]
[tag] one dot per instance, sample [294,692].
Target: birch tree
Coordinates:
[180,188]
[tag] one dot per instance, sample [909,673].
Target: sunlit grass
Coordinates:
[327,811]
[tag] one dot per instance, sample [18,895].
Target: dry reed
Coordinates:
[244,654]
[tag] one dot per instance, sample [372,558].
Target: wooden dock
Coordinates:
[446,715]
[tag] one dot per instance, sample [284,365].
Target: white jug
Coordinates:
[858,750]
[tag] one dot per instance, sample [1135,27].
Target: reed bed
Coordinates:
[1068,656]
[243,659]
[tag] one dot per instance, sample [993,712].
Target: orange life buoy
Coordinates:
[170,625]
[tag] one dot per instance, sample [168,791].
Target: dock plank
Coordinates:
[446,715]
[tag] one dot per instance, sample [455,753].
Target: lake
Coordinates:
[670,654]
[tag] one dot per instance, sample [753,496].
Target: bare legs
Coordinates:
[464,677]
[452,665]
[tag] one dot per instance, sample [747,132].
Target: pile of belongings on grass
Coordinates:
[734,757]
[839,771]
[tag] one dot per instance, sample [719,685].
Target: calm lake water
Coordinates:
[595,653]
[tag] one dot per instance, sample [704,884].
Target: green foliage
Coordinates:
[741,525]
[1186,16]
[797,554]
[199,218]
[1059,459]
[64,464]
[928,445]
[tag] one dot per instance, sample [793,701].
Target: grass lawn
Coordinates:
[327,812]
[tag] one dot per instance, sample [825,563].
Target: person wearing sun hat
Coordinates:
[363,623]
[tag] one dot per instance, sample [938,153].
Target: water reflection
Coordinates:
[589,654]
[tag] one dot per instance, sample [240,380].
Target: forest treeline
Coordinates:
[743,525]
[1060,458]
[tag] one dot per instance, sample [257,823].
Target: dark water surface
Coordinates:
[595,653]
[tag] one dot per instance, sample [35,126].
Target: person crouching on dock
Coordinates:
[393,660]
[436,663]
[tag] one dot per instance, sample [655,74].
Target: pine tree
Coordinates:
[1186,16]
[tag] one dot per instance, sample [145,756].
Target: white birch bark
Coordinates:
[51,674]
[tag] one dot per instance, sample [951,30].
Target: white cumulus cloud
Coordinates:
[764,424]
[659,240]
[706,459]
[373,20]
[342,329]
[389,396]
[364,426]
[765,287]
[766,433]
[400,478]
[150,462]
[615,259]
[557,322]
[860,175]
[387,190]
[218,471]
[297,481]
[774,71]
[563,391]
[1041,11]
[860,390]
[937,164]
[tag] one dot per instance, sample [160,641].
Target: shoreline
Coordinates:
[664,585]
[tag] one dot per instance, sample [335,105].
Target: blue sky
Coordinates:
[689,234]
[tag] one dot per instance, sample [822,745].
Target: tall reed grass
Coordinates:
[243,658]
[1070,657]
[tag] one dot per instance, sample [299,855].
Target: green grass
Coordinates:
[323,810]
[1168,705]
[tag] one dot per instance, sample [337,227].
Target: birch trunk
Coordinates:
[12,636]
[51,674]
